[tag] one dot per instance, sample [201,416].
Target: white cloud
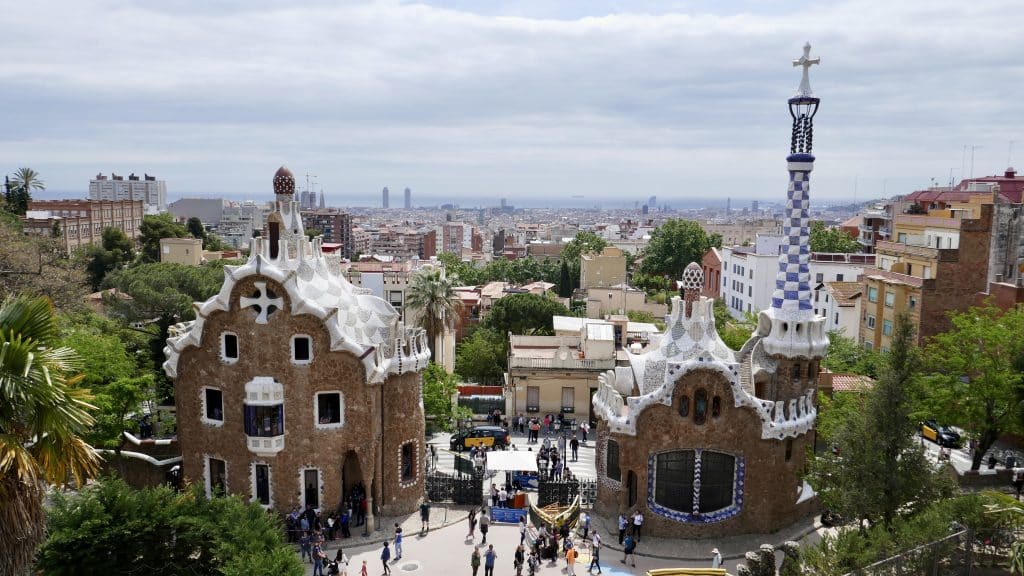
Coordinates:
[528,98]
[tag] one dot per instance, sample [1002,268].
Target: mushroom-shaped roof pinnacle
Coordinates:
[284,181]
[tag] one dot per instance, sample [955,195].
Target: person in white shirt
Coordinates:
[716,558]
[638,522]
[622,527]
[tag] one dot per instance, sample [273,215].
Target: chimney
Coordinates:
[1010,173]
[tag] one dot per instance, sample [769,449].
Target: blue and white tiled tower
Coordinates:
[790,327]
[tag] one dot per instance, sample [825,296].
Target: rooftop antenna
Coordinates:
[951,176]
[973,148]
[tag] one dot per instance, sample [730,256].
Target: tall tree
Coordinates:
[19,192]
[432,297]
[480,356]
[43,415]
[109,528]
[673,245]
[438,388]
[975,384]
[115,250]
[880,471]
[524,314]
[195,227]
[35,266]
[846,355]
[155,227]
[831,239]
[585,241]
[564,281]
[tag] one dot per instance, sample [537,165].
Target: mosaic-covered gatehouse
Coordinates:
[707,441]
[292,385]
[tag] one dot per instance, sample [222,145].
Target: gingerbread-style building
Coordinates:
[292,385]
[706,441]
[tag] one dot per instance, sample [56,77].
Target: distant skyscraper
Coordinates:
[323,201]
[384,198]
[645,209]
[728,206]
[652,201]
[753,206]
[503,203]
[151,191]
[408,198]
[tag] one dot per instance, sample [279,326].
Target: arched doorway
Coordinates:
[351,474]
[631,489]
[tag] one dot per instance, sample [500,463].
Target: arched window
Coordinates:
[611,462]
[700,406]
[684,405]
[716,407]
[716,481]
[690,483]
[796,371]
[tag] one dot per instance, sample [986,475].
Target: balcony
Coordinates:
[263,417]
[572,362]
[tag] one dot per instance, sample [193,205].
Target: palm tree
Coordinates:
[20,187]
[42,417]
[432,296]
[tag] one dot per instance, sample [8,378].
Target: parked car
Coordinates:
[940,434]
[490,436]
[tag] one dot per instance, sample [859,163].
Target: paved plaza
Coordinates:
[445,550]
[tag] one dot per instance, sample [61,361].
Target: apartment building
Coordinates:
[80,223]
[115,188]
[604,269]
[334,225]
[936,263]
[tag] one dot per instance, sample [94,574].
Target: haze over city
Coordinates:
[535,101]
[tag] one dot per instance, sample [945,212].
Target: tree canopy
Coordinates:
[19,187]
[831,239]
[438,389]
[431,296]
[585,241]
[155,227]
[974,383]
[524,314]
[115,250]
[673,245]
[481,356]
[35,266]
[109,528]
[878,471]
[518,271]
[846,356]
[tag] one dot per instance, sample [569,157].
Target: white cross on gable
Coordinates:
[263,302]
[806,61]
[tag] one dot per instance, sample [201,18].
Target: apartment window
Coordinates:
[887,327]
[926,273]
[871,322]
[568,400]
[839,277]
[611,461]
[750,291]
[408,462]
[890,298]
[751,273]
[836,321]
[872,294]
[302,349]
[216,477]
[264,421]
[913,302]
[213,401]
[901,237]
[229,347]
[329,410]
[884,349]
[819,277]
[261,483]
[533,398]
[868,345]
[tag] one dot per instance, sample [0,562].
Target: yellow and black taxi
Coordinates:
[940,434]
[481,436]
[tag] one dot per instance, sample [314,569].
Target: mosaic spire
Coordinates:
[792,296]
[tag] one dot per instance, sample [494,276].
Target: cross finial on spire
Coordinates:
[806,61]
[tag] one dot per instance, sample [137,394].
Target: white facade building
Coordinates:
[748,276]
[839,303]
[151,191]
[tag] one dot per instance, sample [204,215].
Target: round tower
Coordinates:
[790,328]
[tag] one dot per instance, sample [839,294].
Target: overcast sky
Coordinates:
[477,99]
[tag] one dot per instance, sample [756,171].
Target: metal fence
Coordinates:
[462,489]
[564,491]
[950,556]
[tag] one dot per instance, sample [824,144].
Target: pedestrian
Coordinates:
[622,527]
[519,559]
[502,498]
[398,541]
[716,558]
[570,561]
[533,562]
[305,549]
[1018,482]
[484,525]
[522,529]
[472,524]
[425,516]
[385,555]
[629,549]
[574,444]
[474,560]
[595,553]
[489,557]
[342,563]
[494,495]
[638,523]
[363,572]
[585,524]
[318,560]
[585,427]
